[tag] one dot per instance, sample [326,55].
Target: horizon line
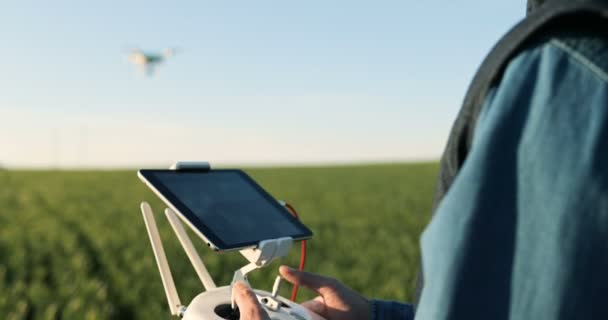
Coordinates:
[225,164]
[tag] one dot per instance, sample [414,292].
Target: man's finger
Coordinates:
[249,307]
[315,282]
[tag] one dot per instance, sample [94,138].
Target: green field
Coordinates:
[73,244]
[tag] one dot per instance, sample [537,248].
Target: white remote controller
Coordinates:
[216,305]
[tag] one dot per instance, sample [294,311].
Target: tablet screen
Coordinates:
[226,206]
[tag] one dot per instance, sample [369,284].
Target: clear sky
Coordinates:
[255,82]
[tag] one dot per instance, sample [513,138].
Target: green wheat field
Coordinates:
[73,243]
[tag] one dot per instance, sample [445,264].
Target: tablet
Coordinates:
[227,208]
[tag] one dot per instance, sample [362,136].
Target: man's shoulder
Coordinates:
[587,46]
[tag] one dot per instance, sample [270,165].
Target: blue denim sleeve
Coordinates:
[388,310]
[523,231]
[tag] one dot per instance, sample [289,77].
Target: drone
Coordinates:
[147,61]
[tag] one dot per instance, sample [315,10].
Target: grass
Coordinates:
[73,244]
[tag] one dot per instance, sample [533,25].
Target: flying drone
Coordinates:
[147,61]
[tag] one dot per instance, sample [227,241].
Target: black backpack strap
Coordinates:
[553,15]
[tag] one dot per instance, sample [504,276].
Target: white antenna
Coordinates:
[195,259]
[161,260]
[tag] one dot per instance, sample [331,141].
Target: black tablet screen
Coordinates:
[228,206]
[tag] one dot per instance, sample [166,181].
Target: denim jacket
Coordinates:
[523,231]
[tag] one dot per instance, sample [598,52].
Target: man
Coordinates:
[521,228]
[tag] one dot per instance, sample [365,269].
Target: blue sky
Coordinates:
[255,82]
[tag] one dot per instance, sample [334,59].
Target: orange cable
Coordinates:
[294,292]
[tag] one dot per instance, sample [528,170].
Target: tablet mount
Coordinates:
[217,303]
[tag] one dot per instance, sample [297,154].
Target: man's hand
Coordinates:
[248,303]
[335,300]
